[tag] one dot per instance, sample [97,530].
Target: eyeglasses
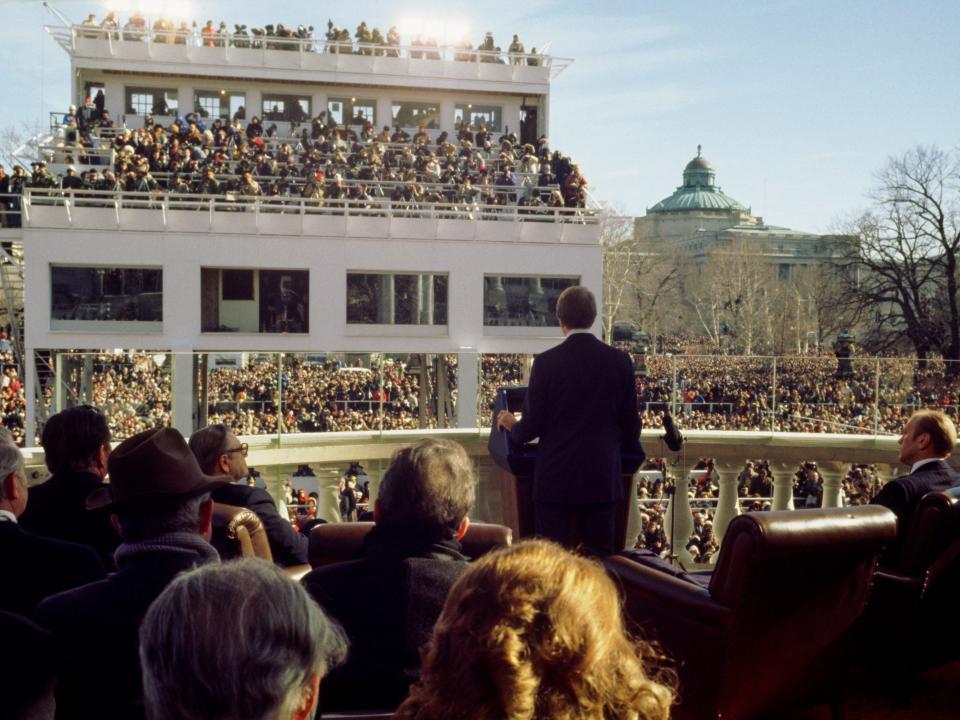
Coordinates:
[242,449]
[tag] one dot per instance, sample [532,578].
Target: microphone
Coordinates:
[672,437]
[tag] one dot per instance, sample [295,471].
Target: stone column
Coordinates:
[832,497]
[783,492]
[678,522]
[728,508]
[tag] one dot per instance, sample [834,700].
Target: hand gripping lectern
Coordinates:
[515,464]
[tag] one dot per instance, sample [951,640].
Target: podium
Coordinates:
[515,465]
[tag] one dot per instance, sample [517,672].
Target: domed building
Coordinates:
[699,216]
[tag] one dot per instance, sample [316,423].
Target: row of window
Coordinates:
[225,104]
[277,301]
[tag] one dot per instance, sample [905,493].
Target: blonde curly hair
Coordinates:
[534,632]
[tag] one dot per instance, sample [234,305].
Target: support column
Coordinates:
[468,388]
[832,496]
[678,522]
[727,509]
[783,492]
[181,368]
[30,390]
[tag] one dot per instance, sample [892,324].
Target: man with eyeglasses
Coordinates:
[220,452]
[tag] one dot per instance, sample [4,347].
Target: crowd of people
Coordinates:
[330,164]
[712,393]
[859,485]
[365,40]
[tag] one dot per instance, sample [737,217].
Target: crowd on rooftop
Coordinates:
[365,40]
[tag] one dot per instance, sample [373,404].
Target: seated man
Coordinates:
[162,509]
[28,670]
[76,445]
[926,443]
[33,567]
[389,597]
[215,625]
[219,452]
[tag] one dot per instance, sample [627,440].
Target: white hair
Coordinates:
[234,640]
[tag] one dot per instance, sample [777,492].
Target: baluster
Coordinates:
[678,522]
[728,508]
[783,492]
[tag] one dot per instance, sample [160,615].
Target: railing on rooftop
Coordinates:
[260,48]
[169,203]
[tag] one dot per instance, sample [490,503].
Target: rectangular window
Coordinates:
[151,101]
[523,300]
[254,301]
[292,108]
[411,114]
[490,115]
[83,297]
[352,111]
[221,104]
[396,299]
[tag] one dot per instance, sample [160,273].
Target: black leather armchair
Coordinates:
[772,630]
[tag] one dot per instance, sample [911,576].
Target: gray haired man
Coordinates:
[206,632]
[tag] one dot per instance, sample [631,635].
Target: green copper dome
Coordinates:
[699,191]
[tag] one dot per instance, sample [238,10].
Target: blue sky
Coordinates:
[796,102]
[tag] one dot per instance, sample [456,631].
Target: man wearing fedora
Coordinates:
[159,503]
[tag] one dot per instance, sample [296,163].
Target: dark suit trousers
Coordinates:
[587,527]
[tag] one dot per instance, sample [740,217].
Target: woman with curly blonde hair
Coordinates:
[534,632]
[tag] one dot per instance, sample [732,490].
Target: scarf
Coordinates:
[186,544]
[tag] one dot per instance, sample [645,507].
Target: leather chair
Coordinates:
[905,626]
[336,542]
[241,528]
[772,630]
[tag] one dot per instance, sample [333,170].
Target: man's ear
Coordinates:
[309,694]
[205,525]
[223,464]
[462,530]
[11,487]
[102,459]
[115,521]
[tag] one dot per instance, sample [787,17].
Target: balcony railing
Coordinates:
[263,49]
[52,207]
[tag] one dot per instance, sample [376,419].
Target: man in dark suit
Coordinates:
[390,596]
[76,445]
[926,442]
[160,505]
[581,402]
[33,567]
[219,452]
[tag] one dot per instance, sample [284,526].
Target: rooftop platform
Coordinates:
[308,60]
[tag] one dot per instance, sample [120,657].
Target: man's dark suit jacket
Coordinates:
[97,631]
[387,601]
[904,494]
[34,567]
[582,403]
[287,545]
[57,509]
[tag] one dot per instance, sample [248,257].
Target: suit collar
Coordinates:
[929,464]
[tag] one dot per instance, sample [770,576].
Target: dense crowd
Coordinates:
[327,163]
[754,490]
[365,40]
[319,397]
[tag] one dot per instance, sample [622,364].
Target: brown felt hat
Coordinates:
[153,468]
